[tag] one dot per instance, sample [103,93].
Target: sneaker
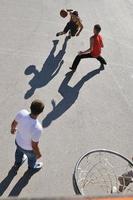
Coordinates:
[101,67]
[105,63]
[57,34]
[37,166]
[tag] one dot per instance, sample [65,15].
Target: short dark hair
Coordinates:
[75,13]
[97,27]
[36,107]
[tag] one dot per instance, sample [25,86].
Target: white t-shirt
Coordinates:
[28,129]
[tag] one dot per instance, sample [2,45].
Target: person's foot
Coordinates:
[72,69]
[58,34]
[37,166]
[105,63]
[101,67]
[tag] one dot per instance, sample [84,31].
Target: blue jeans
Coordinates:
[29,153]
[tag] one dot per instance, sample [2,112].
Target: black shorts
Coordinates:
[72,27]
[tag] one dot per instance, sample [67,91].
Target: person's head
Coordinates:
[97,29]
[36,107]
[75,13]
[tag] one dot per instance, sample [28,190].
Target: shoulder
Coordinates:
[21,114]
[24,112]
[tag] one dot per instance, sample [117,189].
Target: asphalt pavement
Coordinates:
[87,110]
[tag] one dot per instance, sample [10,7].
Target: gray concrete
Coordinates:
[100,111]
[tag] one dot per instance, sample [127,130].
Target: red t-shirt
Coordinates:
[97,45]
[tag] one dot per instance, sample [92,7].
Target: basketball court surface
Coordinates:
[88,110]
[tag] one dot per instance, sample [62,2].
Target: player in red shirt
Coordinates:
[94,51]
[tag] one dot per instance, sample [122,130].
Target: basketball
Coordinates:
[63,13]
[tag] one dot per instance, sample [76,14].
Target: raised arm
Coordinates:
[80,27]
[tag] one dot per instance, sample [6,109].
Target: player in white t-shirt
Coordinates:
[28,131]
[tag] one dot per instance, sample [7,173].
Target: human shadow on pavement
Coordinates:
[23,181]
[49,70]
[69,94]
[7,180]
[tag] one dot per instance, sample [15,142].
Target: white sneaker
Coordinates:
[38,165]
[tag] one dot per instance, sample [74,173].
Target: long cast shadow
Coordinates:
[23,181]
[69,94]
[49,70]
[7,180]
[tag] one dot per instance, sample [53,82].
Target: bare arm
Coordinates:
[80,27]
[36,149]
[91,43]
[13,127]
[102,44]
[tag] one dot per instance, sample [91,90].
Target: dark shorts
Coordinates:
[72,27]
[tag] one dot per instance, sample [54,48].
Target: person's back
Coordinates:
[97,45]
[26,129]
